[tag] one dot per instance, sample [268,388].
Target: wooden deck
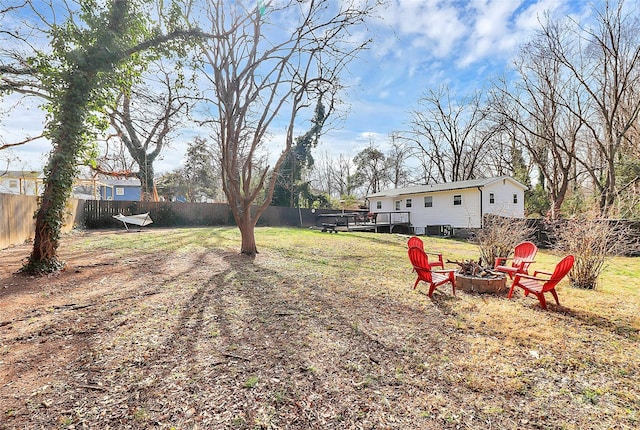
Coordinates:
[379,223]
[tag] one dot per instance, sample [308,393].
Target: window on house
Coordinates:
[13,183]
[408,203]
[492,198]
[457,200]
[378,205]
[428,201]
[398,202]
[119,191]
[515,198]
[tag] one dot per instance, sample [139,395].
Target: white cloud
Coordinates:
[419,45]
[461,33]
[432,24]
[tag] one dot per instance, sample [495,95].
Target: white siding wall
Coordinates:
[503,200]
[466,215]
[387,205]
[19,186]
[443,210]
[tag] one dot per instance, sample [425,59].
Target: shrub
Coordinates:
[590,240]
[499,235]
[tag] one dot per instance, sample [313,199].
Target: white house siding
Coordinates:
[443,211]
[503,199]
[19,185]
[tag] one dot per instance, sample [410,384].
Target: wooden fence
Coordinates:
[99,214]
[543,234]
[17,223]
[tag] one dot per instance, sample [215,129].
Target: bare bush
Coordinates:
[590,240]
[499,235]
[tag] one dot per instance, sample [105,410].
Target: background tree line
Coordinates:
[234,71]
[564,122]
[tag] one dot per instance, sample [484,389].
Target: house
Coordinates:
[31,183]
[21,182]
[458,205]
[128,189]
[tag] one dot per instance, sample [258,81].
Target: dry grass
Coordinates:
[172,329]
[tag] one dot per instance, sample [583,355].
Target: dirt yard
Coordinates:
[198,337]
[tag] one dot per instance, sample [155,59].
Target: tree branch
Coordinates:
[27,140]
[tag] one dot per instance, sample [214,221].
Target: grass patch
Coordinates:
[180,324]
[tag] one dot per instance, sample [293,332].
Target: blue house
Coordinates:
[121,189]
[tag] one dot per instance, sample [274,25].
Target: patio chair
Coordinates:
[523,255]
[434,278]
[539,286]
[417,242]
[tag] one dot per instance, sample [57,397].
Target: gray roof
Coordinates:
[15,174]
[449,186]
[128,182]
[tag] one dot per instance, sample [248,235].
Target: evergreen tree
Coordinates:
[199,171]
[289,184]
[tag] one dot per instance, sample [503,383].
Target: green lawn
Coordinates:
[324,331]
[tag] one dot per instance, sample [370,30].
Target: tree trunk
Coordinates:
[608,197]
[147,184]
[555,208]
[59,176]
[43,255]
[247,232]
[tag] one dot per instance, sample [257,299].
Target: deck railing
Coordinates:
[391,220]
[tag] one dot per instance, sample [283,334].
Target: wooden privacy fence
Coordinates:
[17,223]
[99,214]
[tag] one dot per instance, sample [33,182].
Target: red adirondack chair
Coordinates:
[523,255]
[417,242]
[539,286]
[434,278]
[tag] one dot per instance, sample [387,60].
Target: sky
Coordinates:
[419,45]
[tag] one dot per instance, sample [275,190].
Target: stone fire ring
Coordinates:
[474,284]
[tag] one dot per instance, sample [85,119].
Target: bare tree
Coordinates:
[17,76]
[332,176]
[341,172]
[537,112]
[371,169]
[396,159]
[604,60]
[144,119]
[320,174]
[453,134]
[267,74]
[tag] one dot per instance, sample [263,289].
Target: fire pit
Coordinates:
[473,278]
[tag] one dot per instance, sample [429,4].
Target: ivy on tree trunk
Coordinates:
[67,129]
[81,82]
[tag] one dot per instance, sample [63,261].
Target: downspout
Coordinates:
[481,213]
